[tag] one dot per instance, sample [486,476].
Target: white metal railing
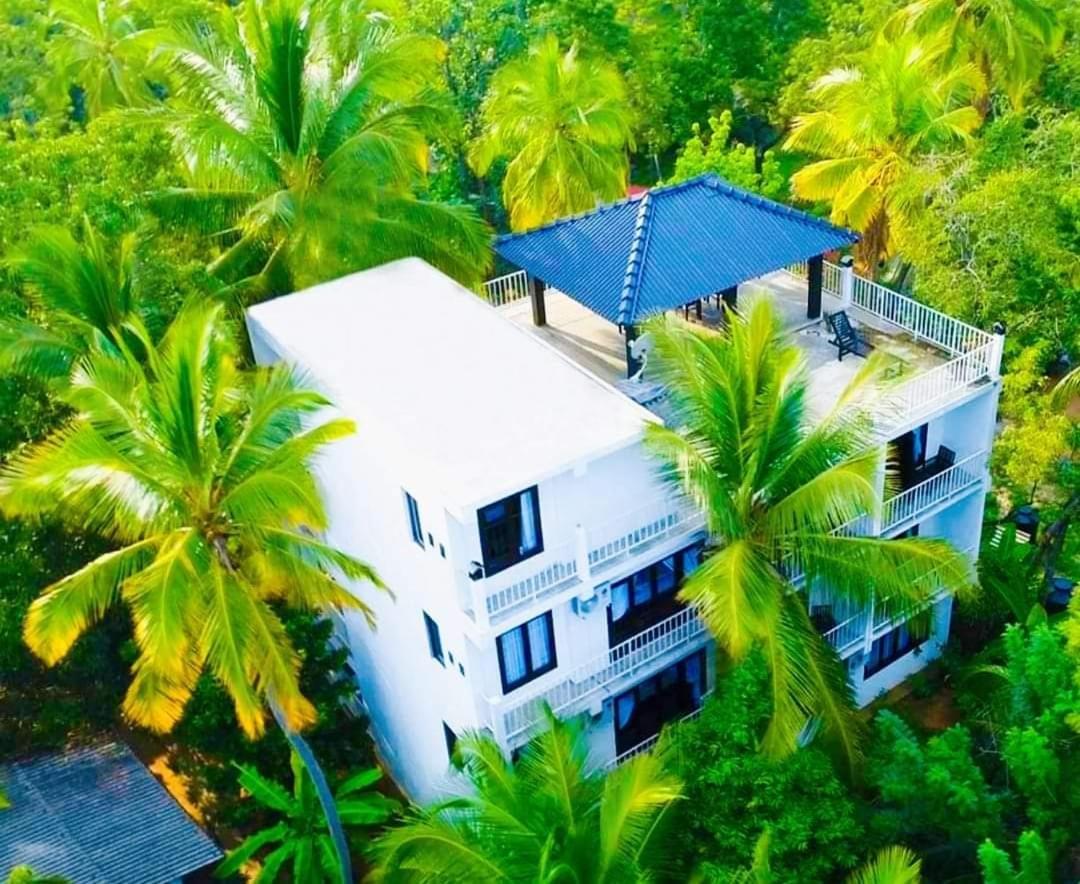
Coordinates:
[631,532]
[626,659]
[847,632]
[921,321]
[924,323]
[887,611]
[647,745]
[504,289]
[926,389]
[930,492]
[553,569]
[584,558]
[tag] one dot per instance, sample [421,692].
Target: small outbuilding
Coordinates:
[96,815]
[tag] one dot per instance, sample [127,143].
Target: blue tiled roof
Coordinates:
[97,816]
[668,247]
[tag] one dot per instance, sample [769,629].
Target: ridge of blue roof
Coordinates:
[638,246]
[668,246]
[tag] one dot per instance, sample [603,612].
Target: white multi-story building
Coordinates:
[499,484]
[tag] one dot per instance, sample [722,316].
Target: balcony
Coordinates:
[906,509]
[933,358]
[584,560]
[513,719]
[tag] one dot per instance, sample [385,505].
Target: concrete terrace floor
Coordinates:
[595,344]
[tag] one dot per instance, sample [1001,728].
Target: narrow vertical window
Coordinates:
[413,511]
[434,639]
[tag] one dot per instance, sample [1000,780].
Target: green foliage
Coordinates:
[929,790]
[776,490]
[734,162]
[301,834]
[546,817]
[26,875]
[997,868]
[562,124]
[733,792]
[186,465]
[308,159]
[208,740]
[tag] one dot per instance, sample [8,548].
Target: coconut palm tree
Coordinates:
[200,475]
[99,48]
[1008,40]
[876,122]
[307,163]
[80,294]
[300,834]
[547,817]
[777,488]
[563,123]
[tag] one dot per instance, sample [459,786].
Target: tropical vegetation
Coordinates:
[549,816]
[160,162]
[779,490]
[300,839]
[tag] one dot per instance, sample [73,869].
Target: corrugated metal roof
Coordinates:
[96,815]
[668,247]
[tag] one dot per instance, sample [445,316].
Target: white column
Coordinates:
[847,281]
[582,556]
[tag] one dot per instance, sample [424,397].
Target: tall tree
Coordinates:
[80,294]
[300,833]
[547,817]
[776,488]
[876,121]
[1009,40]
[100,50]
[200,474]
[563,124]
[305,140]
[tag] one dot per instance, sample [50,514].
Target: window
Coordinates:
[414,519]
[647,597]
[510,531]
[889,648]
[911,452]
[434,639]
[667,696]
[526,652]
[451,740]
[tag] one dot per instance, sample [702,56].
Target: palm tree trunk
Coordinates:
[322,789]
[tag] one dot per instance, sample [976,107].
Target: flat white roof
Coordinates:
[477,405]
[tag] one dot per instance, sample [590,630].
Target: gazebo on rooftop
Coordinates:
[668,248]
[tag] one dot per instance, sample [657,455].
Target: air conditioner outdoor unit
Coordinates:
[585,601]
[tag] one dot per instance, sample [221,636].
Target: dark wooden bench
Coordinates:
[846,339]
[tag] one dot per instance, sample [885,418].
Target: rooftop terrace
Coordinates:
[931,358]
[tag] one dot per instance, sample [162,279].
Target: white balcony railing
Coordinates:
[638,529]
[583,559]
[910,504]
[504,289]
[628,660]
[889,611]
[648,744]
[847,633]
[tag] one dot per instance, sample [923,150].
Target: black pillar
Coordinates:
[539,309]
[697,308]
[632,364]
[814,267]
[731,296]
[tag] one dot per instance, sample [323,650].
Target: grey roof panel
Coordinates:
[96,815]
